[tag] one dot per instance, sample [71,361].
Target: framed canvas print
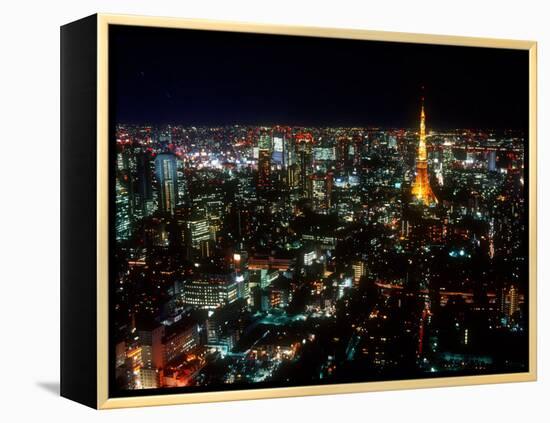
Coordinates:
[254,211]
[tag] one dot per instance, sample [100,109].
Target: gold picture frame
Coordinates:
[103,401]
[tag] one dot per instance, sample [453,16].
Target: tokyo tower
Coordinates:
[421,188]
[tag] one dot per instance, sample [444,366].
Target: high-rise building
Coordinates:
[421,188]
[167,178]
[246,191]
[264,162]
[492,161]
[359,270]
[304,147]
[125,196]
[280,153]
[144,181]
[321,191]
[122,210]
[150,338]
[196,231]
[357,147]
[392,142]
[345,152]
[183,193]
[511,301]
[180,338]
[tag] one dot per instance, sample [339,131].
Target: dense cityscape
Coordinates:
[248,256]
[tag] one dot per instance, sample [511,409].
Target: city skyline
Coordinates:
[248,255]
[196,214]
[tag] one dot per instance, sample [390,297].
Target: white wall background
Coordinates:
[29,208]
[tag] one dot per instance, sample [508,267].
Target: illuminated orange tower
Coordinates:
[421,188]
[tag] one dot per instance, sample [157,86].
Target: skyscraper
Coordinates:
[144,191]
[359,269]
[264,162]
[280,150]
[122,207]
[492,161]
[167,178]
[321,191]
[421,188]
[511,301]
[342,152]
[304,148]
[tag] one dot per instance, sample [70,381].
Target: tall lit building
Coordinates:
[167,178]
[359,270]
[122,207]
[421,188]
[182,337]
[357,148]
[492,161]
[304,147]
[125,196]
[511,301]
[342,147]
[150,339]
[264,161]
[197,230]
[321,191]
[144,197]
[348,151]
[280,150]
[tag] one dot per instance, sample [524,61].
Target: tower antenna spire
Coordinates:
[421,188]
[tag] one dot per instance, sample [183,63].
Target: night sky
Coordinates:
[214,78]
